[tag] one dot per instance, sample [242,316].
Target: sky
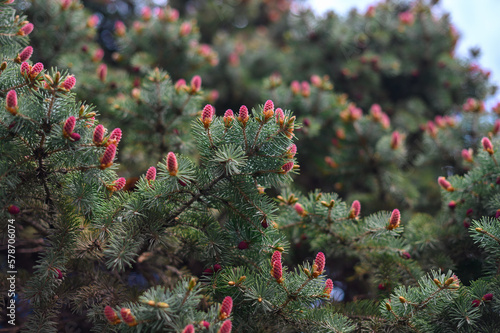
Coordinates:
[476,20]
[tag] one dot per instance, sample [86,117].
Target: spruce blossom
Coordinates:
[180,85]
[26,29]
[13,209]
[111,315]
[228,118]
[445,184]
[25,54]
[98,136]
[243,115]
[295,87]
[36,69]
[467,155]
[305,89]
[207,115]
[226,327]
[277,271]
[151,174]
[355,209]
[108,157]
[102,72]
[319,264]
[115,137]
[11,102]
[195,84]
[395,140]
[69,126]
[394,220]
[185,29]
[299,209]
[172,166]
[275,257]
[287,167]
[69,83]
[75,137]
[120,29]
[119,184]
[188,329]
[25,69]
[280,116]
[226,308]
[127,317]
[328,287]
[268,110]
[487,145]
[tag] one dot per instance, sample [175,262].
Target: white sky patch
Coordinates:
[477,22]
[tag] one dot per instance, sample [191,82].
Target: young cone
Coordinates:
[108,157]
[328,287]
[226,327]
[172,164]
[69,126]
[25,54]
[395,220]
[151,174]
[226,307]
[111,315]
[243,115]
[319,264]
[98,135]
[11,102]
[355,209]
[188,329]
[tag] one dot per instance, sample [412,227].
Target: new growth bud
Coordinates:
[102,72]
[277,271]
[207,115]
[487,145]
[467,155]
[319,264]
[395,220]
[115,137]
[172,164]
[226,327]
[11,102]
[128,317]
[69,126]
[98,135]
[445,184]
[328,287]
[268,110]
[26,29]
[228,118]
[69,83]
[300,210]
[111,315]
[243,115]
[108,157]
[188,329]
[151,174]
[24,55]
[13,209]
[287,167]
[119,184]
[195,84]
[355,209]
[226,307]
[120,29]
[280,116]
[291,151]
[395,140]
